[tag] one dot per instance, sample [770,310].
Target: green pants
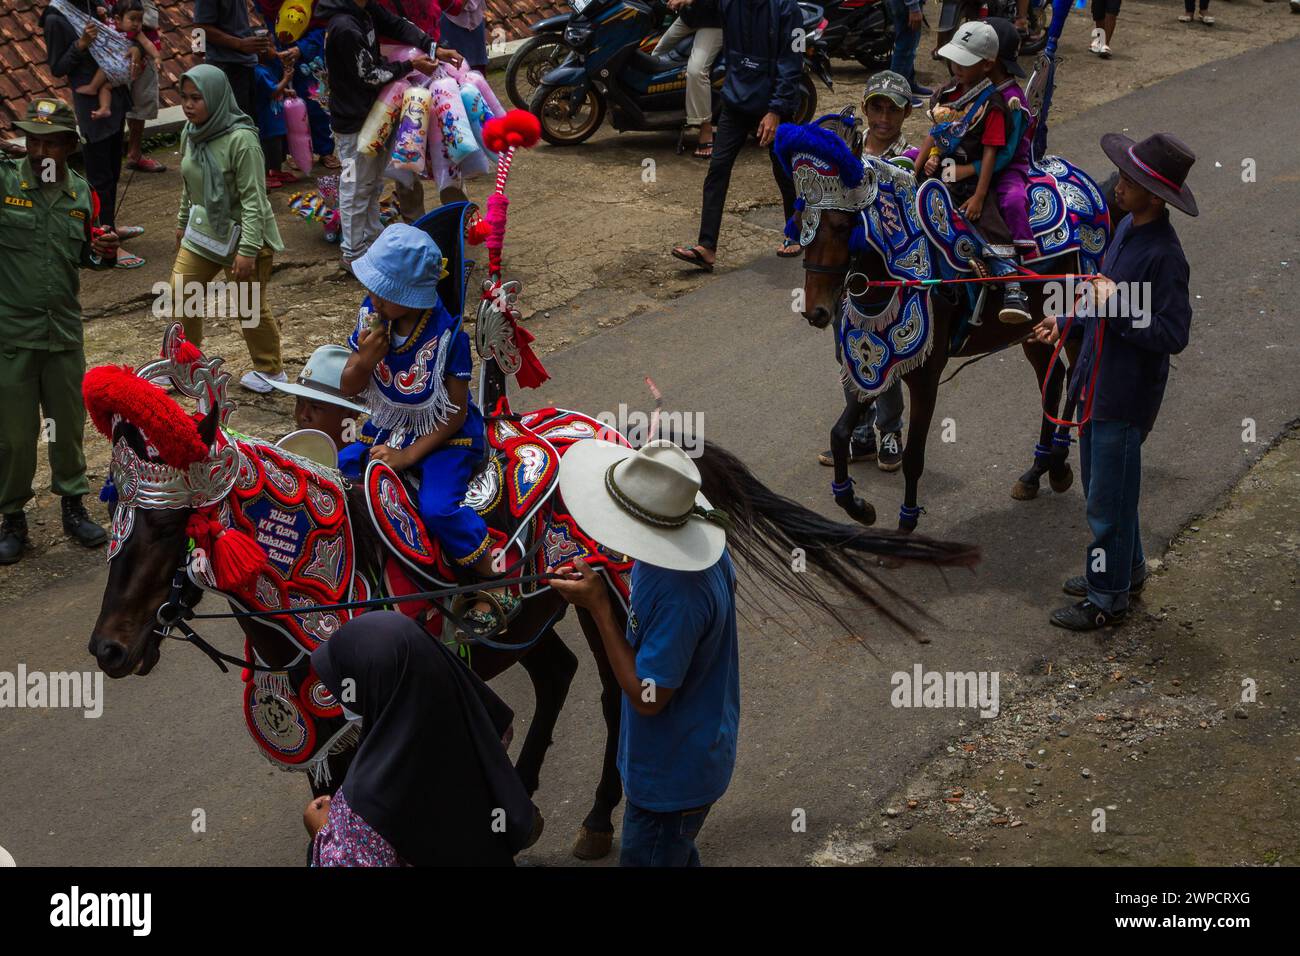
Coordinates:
[40,403]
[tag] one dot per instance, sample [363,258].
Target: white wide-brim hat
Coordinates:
[644,503]
[320,378]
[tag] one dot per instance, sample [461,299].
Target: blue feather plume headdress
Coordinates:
[829,152]
[820,143]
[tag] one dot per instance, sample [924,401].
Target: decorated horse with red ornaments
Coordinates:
[295,550]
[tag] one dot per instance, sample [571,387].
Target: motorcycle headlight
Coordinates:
[576,35]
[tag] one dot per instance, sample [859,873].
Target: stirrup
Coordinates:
[505,608]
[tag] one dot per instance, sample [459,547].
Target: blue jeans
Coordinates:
[905,41]
[1110,456]
[661,839]
[885,411]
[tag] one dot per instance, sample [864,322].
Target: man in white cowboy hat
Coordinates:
[322,405]
[678,663]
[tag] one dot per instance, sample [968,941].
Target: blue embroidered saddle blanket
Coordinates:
[876,349]
[1066,213]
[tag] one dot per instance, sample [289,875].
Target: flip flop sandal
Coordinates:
[146,165]
[785,253]
[331,161]
[126,260]
[704,151]
[505,608]
[694,257]
[129,232]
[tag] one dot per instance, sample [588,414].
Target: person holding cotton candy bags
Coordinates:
[358,72]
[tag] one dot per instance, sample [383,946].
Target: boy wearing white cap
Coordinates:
[970,128]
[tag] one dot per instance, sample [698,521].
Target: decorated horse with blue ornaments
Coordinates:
[296,550]
[896,269]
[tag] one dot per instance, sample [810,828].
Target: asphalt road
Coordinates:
[818,733]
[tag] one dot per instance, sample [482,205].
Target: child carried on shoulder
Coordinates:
[980,144]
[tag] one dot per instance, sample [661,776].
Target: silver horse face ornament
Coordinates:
[143,481]
[819,184]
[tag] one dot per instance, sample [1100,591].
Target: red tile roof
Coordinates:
[24,73]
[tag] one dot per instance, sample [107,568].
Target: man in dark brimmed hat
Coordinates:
[47,213]
[1140,313]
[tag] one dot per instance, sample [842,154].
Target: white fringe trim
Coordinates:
[420,419]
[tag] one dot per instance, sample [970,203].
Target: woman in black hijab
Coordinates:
[431,783]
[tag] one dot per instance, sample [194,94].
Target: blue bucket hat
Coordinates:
[403,266]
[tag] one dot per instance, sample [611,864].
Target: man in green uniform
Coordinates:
[46,216]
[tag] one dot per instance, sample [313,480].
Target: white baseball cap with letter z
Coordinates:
[971,43]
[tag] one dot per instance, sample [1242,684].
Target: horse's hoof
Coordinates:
[1024,491]
[1061,484]
[592,844]
[857,509]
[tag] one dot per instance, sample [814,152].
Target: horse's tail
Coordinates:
[771,533]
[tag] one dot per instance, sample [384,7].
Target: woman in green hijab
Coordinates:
[225,224]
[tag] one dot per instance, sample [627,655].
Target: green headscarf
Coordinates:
[224,115]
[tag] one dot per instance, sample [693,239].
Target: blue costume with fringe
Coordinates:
[407,397]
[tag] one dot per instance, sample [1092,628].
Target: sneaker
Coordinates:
[891,451]
[260,382]
[345,265]
[1206,19]
[1086,616]
[1097,43]
[858,451]
[1184,18]
[1015,305]
[1105,51]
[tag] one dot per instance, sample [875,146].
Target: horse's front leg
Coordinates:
[1026,486]
[596,835]
[842,486]
[550,666]
[1059,474]
[923,393]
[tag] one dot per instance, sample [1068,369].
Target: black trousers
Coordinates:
[242,84]
[729,138]
[103,162]
[273,151]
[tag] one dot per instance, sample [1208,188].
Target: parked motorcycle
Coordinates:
[859,30]
[607,70]
[546,49]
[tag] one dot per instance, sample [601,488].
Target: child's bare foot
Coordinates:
[103,112]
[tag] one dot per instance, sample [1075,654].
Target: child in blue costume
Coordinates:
[411,366]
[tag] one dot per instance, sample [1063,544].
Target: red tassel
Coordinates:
[187,353]
[531,372]
[237,560]
[478,233]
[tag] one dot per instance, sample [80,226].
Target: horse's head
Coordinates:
[165,464]
[834,185]
[147,549]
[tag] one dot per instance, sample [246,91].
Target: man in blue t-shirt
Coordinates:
[678,662]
